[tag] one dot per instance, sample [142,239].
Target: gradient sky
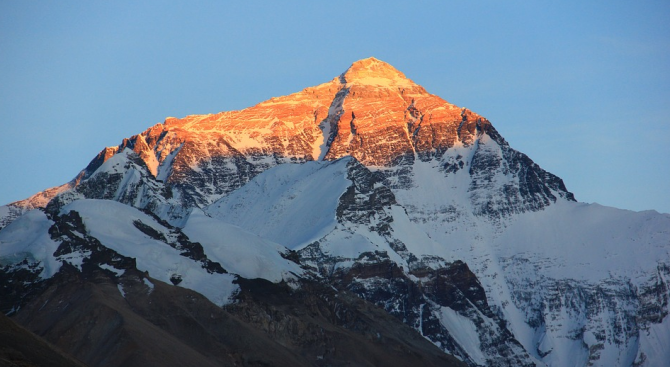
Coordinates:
[582,87]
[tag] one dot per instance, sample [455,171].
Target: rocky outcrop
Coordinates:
[423,303]
[333,327]
[604,321]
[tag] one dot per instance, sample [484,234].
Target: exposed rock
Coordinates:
[133,320]
[333,327]
[371,112]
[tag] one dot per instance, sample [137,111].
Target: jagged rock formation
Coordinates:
[371,112]
[366,185]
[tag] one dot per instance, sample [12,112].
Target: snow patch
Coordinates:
[148,283]
[464,331]
[75,259]
[120,288]
[114,270]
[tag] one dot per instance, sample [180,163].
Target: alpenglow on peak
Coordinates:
[372,71]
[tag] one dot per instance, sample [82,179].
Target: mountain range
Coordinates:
[363,221]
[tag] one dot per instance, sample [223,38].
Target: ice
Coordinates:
[588,241]
[165,168]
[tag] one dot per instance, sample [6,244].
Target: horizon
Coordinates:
[582,89]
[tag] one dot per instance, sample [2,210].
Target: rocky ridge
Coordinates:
[371,112]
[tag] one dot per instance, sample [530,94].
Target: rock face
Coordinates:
[366,185]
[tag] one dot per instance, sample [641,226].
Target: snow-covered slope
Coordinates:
[136,235]
[240,252]
[279,204]
[203,257]
[28,239]
[540,269]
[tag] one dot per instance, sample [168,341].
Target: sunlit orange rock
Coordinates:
[372,112]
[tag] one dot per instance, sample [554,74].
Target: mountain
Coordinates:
[303,217]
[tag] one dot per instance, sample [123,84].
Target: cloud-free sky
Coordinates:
[582,87]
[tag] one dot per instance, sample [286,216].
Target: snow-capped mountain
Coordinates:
[365,185]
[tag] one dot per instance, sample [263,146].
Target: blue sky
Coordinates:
[583,88]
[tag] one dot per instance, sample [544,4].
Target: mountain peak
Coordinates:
[372,71]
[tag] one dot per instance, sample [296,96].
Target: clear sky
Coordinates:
[582,87]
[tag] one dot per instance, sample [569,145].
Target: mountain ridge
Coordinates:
[384,125]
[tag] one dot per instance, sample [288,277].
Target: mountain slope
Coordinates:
[20,347]
[137,321]
[100,305]
[534,268]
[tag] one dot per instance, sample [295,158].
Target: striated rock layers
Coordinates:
[371,112]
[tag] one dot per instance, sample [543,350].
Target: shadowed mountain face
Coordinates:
[20,347]
[363,220]
[133,320]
